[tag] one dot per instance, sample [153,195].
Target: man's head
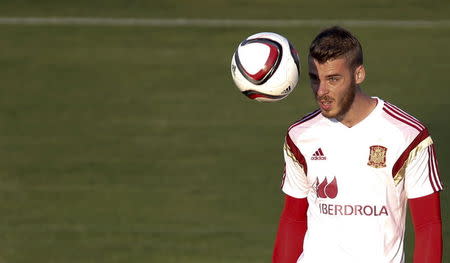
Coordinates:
[336,70]
[336,42]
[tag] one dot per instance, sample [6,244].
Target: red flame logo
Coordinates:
[325,189]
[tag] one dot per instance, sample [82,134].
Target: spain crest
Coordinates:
[377,156]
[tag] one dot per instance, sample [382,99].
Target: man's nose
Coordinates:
[322,89]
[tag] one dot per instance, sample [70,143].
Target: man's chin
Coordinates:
[328,114]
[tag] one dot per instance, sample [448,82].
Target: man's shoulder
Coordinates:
[402,120]
[307,126]
[306,121]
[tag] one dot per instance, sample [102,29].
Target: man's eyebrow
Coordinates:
[333,75]
[312,74]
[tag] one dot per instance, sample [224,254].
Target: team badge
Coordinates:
[377,157]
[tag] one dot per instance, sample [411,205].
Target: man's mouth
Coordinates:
[325,104]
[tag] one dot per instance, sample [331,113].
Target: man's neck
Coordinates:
[361,107]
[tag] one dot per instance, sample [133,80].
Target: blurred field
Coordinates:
[131,144]
[317,9]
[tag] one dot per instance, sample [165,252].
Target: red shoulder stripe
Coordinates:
[296,152]
[404,114]
[438,179]
[306,118]
[433,169]
[404,156]
[401,118]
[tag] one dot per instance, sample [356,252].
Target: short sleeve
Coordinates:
[294,178]
[422,174]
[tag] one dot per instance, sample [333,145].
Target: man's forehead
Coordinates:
[328,66]
[339,60]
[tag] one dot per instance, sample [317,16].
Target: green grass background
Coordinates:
[131,144]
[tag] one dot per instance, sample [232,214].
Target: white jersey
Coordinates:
[357,181]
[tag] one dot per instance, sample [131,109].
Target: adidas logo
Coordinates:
[318,155]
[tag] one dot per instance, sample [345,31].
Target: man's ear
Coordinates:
[360,74]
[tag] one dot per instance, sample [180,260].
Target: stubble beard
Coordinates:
[344,105]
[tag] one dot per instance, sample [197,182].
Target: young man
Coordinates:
[352,167]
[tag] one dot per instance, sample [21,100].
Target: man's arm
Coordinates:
[291,231]
[426,218]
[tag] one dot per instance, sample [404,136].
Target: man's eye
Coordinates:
[333,79]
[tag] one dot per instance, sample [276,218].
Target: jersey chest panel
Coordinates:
[350,168]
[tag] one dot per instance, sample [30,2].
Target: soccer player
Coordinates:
[351,168]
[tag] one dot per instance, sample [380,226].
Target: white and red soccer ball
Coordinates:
[265,67]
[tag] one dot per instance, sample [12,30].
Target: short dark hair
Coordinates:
[336,42]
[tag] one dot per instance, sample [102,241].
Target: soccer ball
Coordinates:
[265,67]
